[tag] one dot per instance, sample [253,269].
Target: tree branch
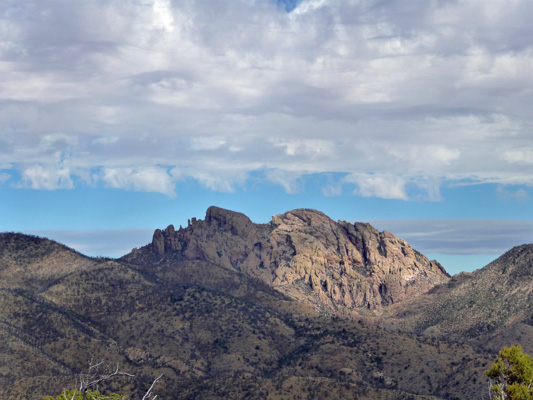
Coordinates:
[148,395]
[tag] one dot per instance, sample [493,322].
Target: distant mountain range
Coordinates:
[300,307]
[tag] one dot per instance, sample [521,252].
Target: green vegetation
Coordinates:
[512,375]
[217,333]
[88,395]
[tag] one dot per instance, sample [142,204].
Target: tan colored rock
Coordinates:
[306,255]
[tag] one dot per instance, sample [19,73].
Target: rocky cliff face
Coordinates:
[303,254]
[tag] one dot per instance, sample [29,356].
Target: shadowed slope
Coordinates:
[34,262]
[476,304]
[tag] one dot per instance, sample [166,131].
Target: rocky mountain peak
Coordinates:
[304,254]
[231,221]
[300,217]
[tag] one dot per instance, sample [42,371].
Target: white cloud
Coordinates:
[517,194]
[381,90]
[383,186]
[40,177]
[290,181]
[332,190]
[215,182]
[308,6]
[430,188]
[163,15]
[216,177]
[519,156]
[207,142]
[388,186]
[148,179]
[307,147]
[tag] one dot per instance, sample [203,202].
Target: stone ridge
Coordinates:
[304,254]
[34,262]
[472,304]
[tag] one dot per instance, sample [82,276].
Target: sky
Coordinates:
[118,117]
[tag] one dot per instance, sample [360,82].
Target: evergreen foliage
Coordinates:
[512,375]
[88,395]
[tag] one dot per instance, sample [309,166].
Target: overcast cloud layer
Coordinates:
[400,97]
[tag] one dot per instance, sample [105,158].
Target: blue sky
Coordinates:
[117,118]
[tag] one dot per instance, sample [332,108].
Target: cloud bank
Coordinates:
[399,97]
[460,237]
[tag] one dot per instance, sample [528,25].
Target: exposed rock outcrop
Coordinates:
[303,254]
[351,265]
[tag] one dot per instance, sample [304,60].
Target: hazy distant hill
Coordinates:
[226,308]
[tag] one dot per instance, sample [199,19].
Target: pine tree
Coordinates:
[511,375]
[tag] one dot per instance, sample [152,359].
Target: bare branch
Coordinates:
[148,395]
[100,372]
[95,375]
[91,366]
